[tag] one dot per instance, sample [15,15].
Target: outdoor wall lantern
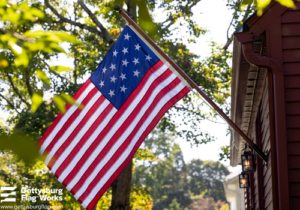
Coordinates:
[247,159]
[244,180]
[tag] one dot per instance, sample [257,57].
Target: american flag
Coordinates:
[123,100]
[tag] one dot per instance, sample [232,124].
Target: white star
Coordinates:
[136,60]
[123,88]
[148,57]
[124,63]
[113,79]
[137,46]
[136,73]
[115,53]
[104,69]
[127,36]
[113,66]
[111,93]
[101,84]
[125,50]
[123,76]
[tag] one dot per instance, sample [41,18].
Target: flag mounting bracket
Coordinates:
[259,152]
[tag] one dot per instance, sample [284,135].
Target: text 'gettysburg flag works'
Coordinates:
[123,101]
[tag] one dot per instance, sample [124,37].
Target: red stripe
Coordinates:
[122,129]
[125,144]
[60,115]
[170,103]
[76,131]
[105,131]
[69,122]
[83,140]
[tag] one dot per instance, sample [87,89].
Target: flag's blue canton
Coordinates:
[123,67]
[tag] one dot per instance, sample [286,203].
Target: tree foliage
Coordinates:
[173,181]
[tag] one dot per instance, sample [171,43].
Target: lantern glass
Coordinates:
[244,180]
[248,162]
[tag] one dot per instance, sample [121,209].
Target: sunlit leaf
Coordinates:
[70,100]
[3,60]
[35,46]
[22,60]
[43,77]
[56,48]
[36,100]
[60,68]
[261,5]
[35,33]
[67,37]
[12,16]
[60,103]
[287,3]
[36,12]
[3,3]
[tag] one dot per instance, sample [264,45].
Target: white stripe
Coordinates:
[115,127]
[73,126]
[65,117]
[124,136]
[125,154]
[87,144]
[161,57]
[78,137]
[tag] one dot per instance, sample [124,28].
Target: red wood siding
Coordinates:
[290,32]
[266,145]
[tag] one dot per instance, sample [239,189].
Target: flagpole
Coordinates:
[193,84]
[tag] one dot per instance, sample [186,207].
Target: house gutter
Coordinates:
[246,39]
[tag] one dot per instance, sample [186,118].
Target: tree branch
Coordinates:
[229,40]
[66,20]
[106,36]
[27,79]
[131,5]
[9,103]
[16,90]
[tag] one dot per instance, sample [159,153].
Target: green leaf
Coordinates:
[3,60]
[67,37]
[36,100]
[36,12]
[20,144]
[60,68]
[56,48]
[43,77]
[244,3]
[70,100]
[22,59]
[287,3]
[35,34]
[261,5]
[3,3]
[36,46]
[60,103]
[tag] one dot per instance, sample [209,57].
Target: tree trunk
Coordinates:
[121,186]
[121,190]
